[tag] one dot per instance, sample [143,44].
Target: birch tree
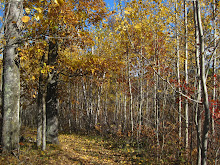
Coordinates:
[214,62]
[178,70]
[205,100]
[198,92]
[186,77]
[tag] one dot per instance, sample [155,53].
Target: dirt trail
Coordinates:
[73,149]
[81,150]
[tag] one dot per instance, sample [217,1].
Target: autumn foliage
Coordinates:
[117,74]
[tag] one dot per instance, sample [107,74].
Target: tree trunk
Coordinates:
[198,95]
[11,76]
[41,91]
[186,78]
[205,100]
[140,122]
[125,112]
[131,96]
[178,72]
[44,121]
[156,108]
[98,105]
[163,116]
[39,116]
[70,118]
[51,98]
[147,111]
[214,66]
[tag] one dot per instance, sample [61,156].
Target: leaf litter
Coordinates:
[73,149]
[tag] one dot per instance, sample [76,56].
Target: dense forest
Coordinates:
[144,73]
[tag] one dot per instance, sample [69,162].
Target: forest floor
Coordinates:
[75,149]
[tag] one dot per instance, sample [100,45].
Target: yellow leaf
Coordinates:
[127,12]
[38,9]
[27,10]
[25,19]
[159,33]
[129,9]
[138,26]
[59,2]
[38,16]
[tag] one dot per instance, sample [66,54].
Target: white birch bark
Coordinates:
[178,71]
[186,77]
[205,100]
[214,65]
[131,98]
[198,95]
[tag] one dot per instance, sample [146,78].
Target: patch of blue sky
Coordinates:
[111,4]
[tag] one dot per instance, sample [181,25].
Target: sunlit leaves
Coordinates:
[25,19]
[138,26]
[59,2]
[39,9]
[128,10]
[27,10]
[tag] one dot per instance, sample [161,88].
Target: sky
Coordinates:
[109,3]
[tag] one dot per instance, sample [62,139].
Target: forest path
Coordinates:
[73,149]
[78,149]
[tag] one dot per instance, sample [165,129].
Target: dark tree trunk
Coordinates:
[51,98]
[44,124]
[41,91]
[39,116]
[11,77]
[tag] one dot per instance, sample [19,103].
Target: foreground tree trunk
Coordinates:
[41,105]
[51,98]
[11,76]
